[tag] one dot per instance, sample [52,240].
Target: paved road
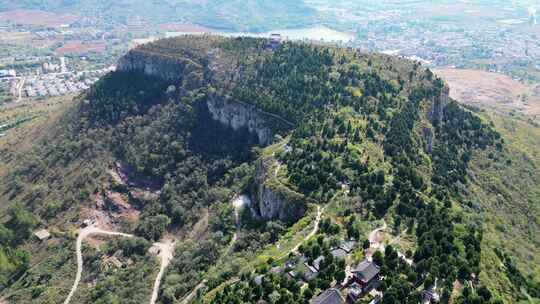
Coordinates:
[83,233]
[166,253]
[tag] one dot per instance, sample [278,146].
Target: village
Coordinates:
[349,268]
[362,280]
[361,283]
[51,79]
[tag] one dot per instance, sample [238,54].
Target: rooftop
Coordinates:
[367,270]
[42,234]
[348,246]
[339,253]
[317,262]
[355,291]
[330,296]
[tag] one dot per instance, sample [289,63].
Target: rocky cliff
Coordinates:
[438,103]
[273,201]
[189,73]
[174,69]
[238,115]
[435,116]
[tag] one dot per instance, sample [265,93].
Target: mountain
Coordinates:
[226,15]
[254,156]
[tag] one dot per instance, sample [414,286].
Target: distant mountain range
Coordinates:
[237,15]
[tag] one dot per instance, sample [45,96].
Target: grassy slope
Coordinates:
[54,256]
[19,140]
[52,265]
[508,192]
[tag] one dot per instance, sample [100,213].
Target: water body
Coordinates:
[512,21]
[317,33]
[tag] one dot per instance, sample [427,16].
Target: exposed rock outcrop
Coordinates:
[169,68]
[238,115]
[191,74]
[273,201]
[428,136]
[436,113]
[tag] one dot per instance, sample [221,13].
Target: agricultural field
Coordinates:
[36,18]
[492,91]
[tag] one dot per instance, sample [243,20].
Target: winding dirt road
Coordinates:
[166,253]
[83,233]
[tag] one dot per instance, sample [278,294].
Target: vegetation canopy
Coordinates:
[355,139]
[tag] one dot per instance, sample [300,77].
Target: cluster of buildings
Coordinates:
[55,87]
[363,279]
[360,284]
[496,45]
[56,84]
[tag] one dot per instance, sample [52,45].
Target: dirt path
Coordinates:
[192,294]
[166,253]
[84,233]
[375,240]
[396,240]
[238,203]
[314,231]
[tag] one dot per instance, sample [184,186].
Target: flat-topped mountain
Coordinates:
[255,156]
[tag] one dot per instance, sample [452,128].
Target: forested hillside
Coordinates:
[356,140]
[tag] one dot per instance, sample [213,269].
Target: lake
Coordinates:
[316,33]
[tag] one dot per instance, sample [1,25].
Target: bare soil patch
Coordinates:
[78,47]
[36,18]
[491,90]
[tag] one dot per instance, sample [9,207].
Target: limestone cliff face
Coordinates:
[436,113]
[190,74]
[238,115]
[428,134]
[169,68]
[272,201]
